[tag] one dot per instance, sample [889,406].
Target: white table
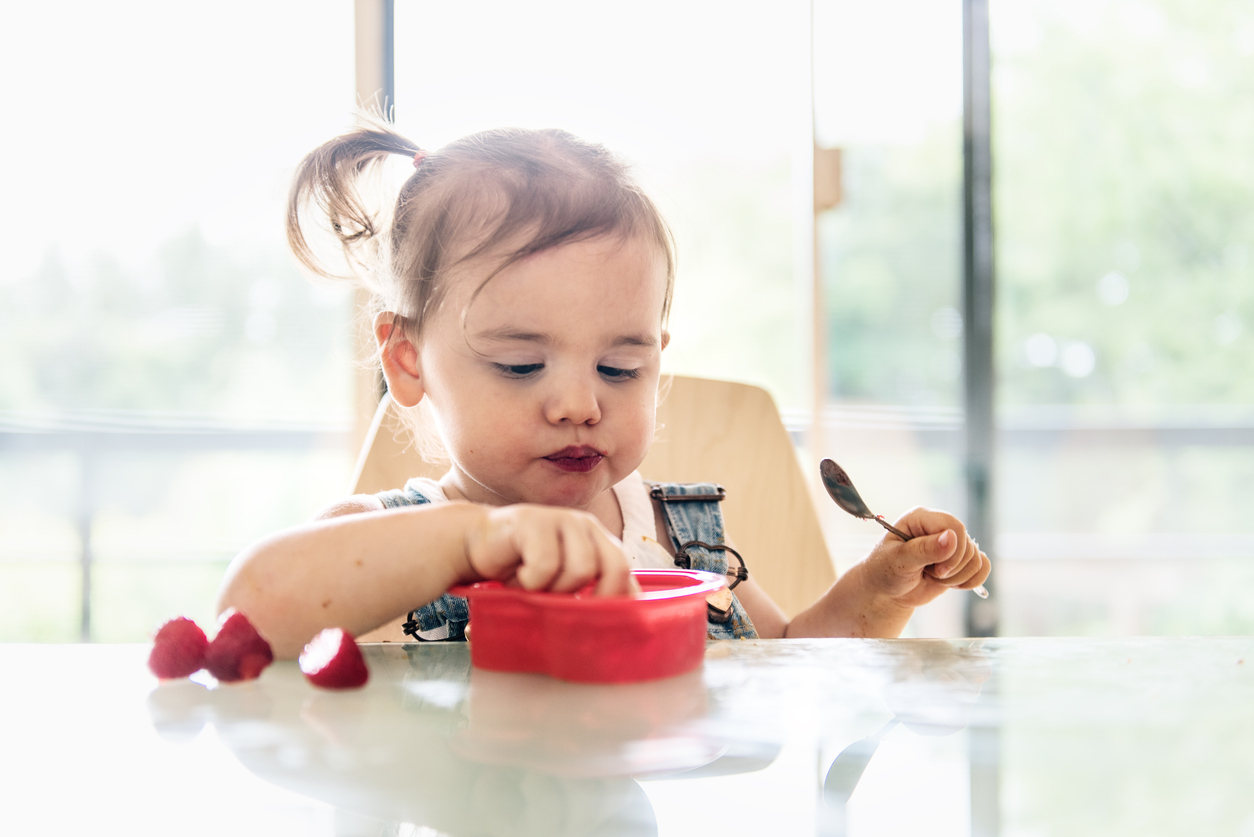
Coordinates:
[1013,737]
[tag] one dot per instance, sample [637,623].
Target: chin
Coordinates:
[576,492]
[573,499]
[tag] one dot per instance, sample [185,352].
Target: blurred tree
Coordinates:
[1124,193]
[890,257]
[206,328]
[1125,201]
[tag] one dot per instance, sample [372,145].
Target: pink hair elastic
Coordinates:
[419,157]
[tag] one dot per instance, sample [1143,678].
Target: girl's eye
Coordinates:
[613,373]
[518,370]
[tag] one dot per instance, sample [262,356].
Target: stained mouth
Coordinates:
[575,452]
[577,458]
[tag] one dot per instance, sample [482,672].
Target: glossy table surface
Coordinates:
[823,737]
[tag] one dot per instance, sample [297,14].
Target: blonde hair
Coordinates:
[525,190]
[506,193]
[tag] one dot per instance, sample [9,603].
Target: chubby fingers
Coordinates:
[943,549]
[937,538]
[584,554]
[544,548]
[966,569]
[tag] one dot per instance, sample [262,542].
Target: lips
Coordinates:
[577,459]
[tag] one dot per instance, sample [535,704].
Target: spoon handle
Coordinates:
[879,518]
[979,591]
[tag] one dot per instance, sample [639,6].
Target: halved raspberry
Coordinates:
[178,649]
[332,660]
[238,652]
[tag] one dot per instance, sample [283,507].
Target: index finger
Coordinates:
[920,521]
[615,569]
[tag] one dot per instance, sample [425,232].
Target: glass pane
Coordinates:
[152,324]
[1123,184]
[890,258]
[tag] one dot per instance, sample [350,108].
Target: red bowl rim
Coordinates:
[706,583]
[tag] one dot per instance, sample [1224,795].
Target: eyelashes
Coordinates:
[614,373]
[520,371]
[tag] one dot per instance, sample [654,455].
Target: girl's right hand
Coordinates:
[547,548]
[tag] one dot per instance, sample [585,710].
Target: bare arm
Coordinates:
[877,596]
[851,608]
[357,566]
[847,609]
[354,571]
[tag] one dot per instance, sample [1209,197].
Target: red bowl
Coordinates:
[593,639]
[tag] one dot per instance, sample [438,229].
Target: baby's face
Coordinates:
[547,392]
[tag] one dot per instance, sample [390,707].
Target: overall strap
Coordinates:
[694,522]
[692,513]
[395,498]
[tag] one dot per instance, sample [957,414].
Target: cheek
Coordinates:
[471,427]
[641,417]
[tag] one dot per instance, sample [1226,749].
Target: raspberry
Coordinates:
[332,660]
[238,652]
[178,649]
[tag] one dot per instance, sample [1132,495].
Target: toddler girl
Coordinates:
[524,281]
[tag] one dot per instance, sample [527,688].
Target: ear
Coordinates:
[399,358]
[666,338]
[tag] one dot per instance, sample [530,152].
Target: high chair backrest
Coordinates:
[710,431]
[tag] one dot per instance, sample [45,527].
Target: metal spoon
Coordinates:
[840,487]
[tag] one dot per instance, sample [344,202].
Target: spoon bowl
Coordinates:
[841,489]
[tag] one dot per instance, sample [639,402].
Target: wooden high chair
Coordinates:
[709,431]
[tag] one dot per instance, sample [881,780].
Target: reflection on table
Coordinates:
[821,737]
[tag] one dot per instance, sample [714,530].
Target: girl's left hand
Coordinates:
[941,555]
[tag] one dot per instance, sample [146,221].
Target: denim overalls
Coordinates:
[686,521]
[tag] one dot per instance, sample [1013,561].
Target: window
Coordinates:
[1124,241]
[889,95]
[170,386]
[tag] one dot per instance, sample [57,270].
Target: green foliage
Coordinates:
[890,260]
[1123,185]
[206,329]
[1122,147]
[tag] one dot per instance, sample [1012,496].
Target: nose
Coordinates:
[573,399]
